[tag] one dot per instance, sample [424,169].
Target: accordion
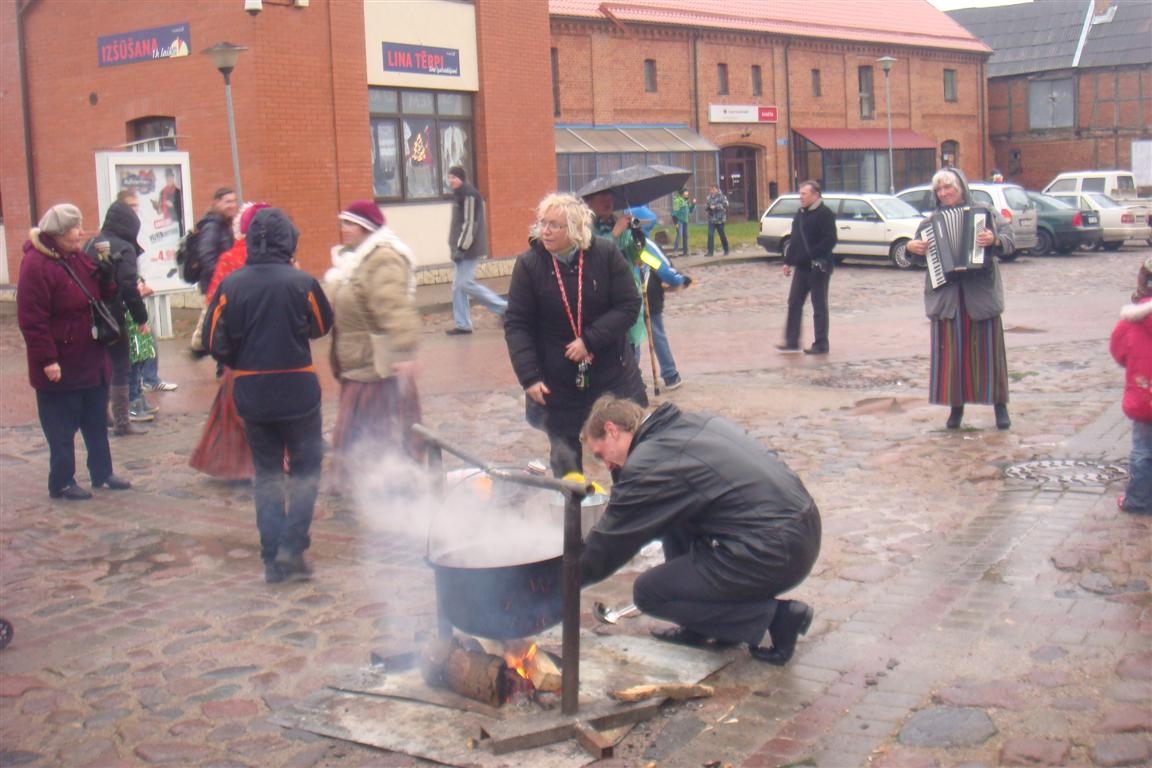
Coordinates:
[951,237]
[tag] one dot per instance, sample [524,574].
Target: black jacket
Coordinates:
[813,238]
[468,235]
[536,329]
[748,515]
[214,236]
[259,323]
[121,230]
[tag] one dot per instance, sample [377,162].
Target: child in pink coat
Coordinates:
[1131,345]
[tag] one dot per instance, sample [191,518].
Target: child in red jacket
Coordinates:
[1132,347]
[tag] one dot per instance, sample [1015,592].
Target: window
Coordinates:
[722,79]
[757,81]
[152,134]
[555,83]
[950,85]
[1092,184]
[857,210]
[816,82]
[1051,103]
[650,75]
[867,100]
[416,137]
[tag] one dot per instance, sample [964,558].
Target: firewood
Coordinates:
[475,674]
[544,673]
[677,691]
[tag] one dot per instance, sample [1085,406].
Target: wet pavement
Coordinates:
[963,616]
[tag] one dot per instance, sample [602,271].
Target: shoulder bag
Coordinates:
[105,329]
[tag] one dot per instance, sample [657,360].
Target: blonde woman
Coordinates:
[570,304]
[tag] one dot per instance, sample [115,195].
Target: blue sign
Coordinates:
[421,59]
[143,45]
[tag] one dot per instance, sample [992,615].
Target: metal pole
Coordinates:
[232,135]
[570,634]
[888,101]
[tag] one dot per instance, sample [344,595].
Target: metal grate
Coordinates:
[1067,472]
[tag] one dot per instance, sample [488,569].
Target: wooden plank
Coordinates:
[501,745]
[595,743]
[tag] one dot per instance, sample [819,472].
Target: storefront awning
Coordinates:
[614,139]
[865,138]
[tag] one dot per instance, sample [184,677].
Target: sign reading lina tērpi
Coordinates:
[143,45]
[421,59]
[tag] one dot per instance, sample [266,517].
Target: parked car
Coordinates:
[1119,221]
[1119,185]
[869,226]
[1010,199]
[1063,227]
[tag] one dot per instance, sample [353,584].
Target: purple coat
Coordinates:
[55,319]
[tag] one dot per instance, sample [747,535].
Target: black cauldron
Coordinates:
[500,602]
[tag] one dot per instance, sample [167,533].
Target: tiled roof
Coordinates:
[1044,35]
[920,24]
[865,138]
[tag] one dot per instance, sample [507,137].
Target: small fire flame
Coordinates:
[520,662]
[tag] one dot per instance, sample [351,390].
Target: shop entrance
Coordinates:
[738,182]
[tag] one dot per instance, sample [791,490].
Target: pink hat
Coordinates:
[247,212]
[363,213]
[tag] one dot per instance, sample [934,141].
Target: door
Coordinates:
[738,182]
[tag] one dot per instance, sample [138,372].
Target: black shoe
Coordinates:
[681,636]
[954,417]
[272,573]
[113,483]
[71,492]
[709,255]
[815,350]
[1002,420]
[458,331]
[792,619]
[787,348]
[292,565]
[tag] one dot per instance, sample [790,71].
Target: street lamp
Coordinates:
[224,57]
[886,63]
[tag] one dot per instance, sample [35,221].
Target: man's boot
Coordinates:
[121,424]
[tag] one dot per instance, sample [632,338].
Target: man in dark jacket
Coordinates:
[259,324]
[118,241]
[808,259]
[215,234]
[737,525]
[468,239]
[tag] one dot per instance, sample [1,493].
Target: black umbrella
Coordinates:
[637,184]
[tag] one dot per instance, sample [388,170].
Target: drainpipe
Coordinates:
[982,95]
[788,119]
[29,166]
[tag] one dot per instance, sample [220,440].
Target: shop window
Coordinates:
[416,137]
[816,83]
[1051,103]
[722,79]
[650,75]
[152,134]
[757,81]
[950,85]
[867,97]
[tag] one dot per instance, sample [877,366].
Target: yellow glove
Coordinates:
[579,478]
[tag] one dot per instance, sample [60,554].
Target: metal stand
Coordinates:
[574,494]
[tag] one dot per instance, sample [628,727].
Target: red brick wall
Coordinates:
[13,185]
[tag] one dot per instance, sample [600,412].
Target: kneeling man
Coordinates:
[737,525]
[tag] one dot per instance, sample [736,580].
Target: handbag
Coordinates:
[105,329]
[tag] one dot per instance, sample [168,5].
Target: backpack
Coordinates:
[187,260]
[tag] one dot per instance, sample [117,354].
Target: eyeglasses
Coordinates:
[551,226]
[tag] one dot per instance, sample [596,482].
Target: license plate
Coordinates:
[1091,219]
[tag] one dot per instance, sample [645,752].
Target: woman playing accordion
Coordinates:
[969,364]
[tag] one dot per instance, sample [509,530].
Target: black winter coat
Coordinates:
[214,238]
[536,329]
[259,323]
[121,230]
[752,524]
[813,238]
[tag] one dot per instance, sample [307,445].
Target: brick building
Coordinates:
[1070,86]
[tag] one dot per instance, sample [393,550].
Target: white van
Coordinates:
[1118,185]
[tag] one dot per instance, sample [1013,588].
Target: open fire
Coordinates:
[490,671]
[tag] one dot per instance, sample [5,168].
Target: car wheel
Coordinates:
[1112,245]
[899,254]
[1044,244]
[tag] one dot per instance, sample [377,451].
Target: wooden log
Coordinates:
[677,691]
[474,674]
[544,673]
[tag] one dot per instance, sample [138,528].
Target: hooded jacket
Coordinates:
[121,230]
[1131,346]
[55,318]
[752,522]
[468,235]
[982,288]
[260,321]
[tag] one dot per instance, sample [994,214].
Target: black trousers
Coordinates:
[62,412]
[676,591]
[284,515]
[806,282]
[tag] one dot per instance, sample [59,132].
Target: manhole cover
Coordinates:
[1067,472]
[857,381]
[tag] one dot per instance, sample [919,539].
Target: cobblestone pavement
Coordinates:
[962,617]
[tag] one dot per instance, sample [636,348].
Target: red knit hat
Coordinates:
[246,214]
[363,213]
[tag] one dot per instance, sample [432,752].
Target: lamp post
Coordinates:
[886,63]
[224,57]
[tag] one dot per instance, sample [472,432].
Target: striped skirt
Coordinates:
[378,416]
[223,450]
[969,364]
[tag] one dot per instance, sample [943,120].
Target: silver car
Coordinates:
[868,226]
[1009,199]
